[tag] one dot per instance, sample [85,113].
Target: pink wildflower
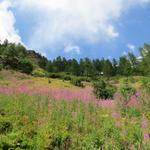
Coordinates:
[144,123]
[137,94]
[146,136]
[115,115]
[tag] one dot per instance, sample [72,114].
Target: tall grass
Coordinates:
[41,123]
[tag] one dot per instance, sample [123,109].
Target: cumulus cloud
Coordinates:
[124,53]
[59,22]
[63,21]
[131,47]
[7,21]
[111,32]
[72,49]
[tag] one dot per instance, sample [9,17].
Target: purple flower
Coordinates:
[115,115]
[146,136]
[144,123]
[137,94]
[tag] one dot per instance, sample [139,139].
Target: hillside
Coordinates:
[46,113]
[52,105]
[17,57]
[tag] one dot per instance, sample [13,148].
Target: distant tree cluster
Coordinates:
[14,57]
[17,57]
[126,65]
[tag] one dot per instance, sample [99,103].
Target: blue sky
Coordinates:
[77,28]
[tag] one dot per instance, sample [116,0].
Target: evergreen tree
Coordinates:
[124,67]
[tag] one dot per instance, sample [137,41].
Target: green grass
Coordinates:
[15,78]
[8,77]
[40,123]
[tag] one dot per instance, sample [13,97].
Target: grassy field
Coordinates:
[29,122]
[36,114]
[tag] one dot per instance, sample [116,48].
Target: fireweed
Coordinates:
[39,122]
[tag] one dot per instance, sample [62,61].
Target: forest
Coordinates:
[17,57]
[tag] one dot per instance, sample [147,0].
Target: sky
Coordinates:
[77,28]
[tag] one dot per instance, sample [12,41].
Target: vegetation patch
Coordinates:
[103,90]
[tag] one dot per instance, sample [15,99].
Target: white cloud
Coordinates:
[7,21]
[72,49]
[111,32]
[59,22]
[124,53]
[131,47]
[62,21]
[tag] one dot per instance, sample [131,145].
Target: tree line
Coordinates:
[126,65]
[17,57]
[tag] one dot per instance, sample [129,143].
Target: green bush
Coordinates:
[77,82]
[54,75]
[102,90]
[1,67]
[86,79]
[66,77]
[25,66]
[16,141]
[146,85]
[49,81]
[5,125]
[131,112]
[127,91]
[39,73]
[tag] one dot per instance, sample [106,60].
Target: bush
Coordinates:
[5,125]
[1,67]
[39,73]
[25,66]
[49,81]
[77,82]
[127,91]
[86,79]
[66,77]
[103,90]
[146,85]
[132,80]
[54,75]
[131,112]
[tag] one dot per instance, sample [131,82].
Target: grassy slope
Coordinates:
[9,77]
[42,123]
[33,122]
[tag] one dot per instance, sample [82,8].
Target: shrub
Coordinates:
[49,81]
[5,125]
[146,85]
[66,77]
[130,112]
[103,90]
[1,67]
[77,82]
[54,75]
[39,73]
[127,91]
[86,79]
[25,66]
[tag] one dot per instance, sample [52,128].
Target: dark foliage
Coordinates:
[17,57]
[103,90]
[127,90]
[77,82]
[25,66]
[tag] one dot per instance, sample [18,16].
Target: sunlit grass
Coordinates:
[32,122]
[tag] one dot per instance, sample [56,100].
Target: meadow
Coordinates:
[38,115]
